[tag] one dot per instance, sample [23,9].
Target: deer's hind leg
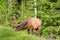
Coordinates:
[32,31]
[38,32]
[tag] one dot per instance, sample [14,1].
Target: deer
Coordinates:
[29,24]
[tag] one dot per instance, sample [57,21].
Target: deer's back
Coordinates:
[33,22]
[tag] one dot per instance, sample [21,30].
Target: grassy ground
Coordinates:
[8,33]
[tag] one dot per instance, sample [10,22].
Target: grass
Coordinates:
[8,33]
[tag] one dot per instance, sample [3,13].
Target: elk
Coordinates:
[30,24]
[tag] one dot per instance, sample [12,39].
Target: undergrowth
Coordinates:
[8,33]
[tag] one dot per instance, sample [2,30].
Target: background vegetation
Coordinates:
[47,10]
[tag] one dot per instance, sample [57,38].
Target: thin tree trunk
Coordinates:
[35,9]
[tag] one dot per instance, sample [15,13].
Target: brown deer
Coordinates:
[30,24]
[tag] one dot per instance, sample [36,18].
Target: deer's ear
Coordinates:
[14,20]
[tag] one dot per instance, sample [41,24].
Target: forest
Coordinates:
[46,10]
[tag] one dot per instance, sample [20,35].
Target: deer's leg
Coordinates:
[38,32]
[32,31]
[28,31]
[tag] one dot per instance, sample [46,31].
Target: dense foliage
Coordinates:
[21,8]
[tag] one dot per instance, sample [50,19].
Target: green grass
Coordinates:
[8,33]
